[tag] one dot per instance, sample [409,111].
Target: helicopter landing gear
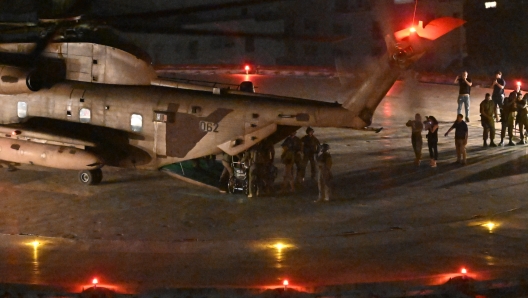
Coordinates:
[91,177]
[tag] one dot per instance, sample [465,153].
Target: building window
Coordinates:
[85,115]
[22,109]
[136,122]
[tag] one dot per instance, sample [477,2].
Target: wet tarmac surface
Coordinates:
[388,219]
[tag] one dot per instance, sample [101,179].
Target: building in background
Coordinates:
[269,32]
[307,32]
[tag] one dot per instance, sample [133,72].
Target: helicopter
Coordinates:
[74,101]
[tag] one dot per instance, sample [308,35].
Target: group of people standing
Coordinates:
[509,111]
[417,126]
[300,152]
[297,153]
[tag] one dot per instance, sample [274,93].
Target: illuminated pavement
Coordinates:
[389,220]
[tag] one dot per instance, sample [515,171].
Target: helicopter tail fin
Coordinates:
[404,48]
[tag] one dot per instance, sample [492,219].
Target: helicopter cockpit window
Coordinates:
[22,109]
[85,115]
[136,122]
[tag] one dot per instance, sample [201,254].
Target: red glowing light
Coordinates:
[247,68]
[285,283]
[464,271]
[519,83]
[412,29]
[95,281]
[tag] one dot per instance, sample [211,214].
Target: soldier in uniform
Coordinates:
[311,147]
[324,161]
[522,117]
[416,137]
[487,113]
[288,159]
[269,171]
[508,119]
[256,158]
[295,144]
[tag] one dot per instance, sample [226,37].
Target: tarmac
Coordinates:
[392,229]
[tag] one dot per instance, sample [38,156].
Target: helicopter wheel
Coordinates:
[91,177]
[231,184]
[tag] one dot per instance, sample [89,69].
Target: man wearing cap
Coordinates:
[311,147]
[324,161]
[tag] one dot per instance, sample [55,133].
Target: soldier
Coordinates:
[498,93]
[295,144]
[508,118]
[256,158]
[324,161]
[487,114]
[288,159]
[522,117]
[311,147]
[269,171]
[416,137]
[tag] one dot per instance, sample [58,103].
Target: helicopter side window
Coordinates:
[136,122]
[85,115]
[22,109]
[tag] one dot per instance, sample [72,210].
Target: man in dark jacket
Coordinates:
[461,137]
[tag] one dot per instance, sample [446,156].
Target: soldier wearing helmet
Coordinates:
[324,162]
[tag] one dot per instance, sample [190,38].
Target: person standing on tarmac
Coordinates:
[464,84]
[461,137]
[508,119]
[288,159]
[487,114]
[324,162]
[311,147]
[256,159]
[295,145]
[432,139]
[416,137]
[522,116]
[498,93]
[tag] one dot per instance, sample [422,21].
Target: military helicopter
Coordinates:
[72,101]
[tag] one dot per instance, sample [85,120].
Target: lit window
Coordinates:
[136,122]
[22,109]
[85,115]
[492,4]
